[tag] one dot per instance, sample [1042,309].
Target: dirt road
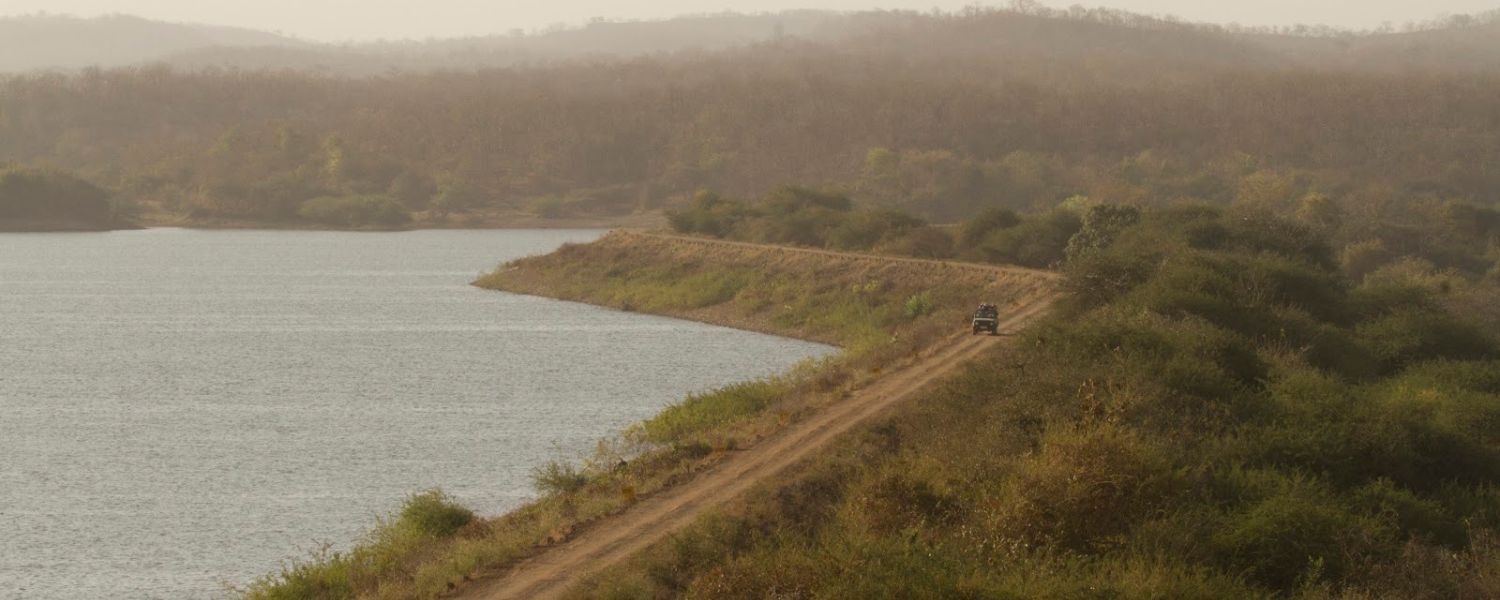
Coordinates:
[945,264]
[614,539]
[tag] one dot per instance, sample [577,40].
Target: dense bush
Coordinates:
[1039,241]
[939,115]
[806,217]
[556,477]
[354,211]
[434,513]
[703,411]
[1214,412]
[41,195]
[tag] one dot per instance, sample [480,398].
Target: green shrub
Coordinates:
[434,513]
[1299,536]
[897,502]
[975,230]
[354,211]
[1364,257]
[1082,488]
[700,412]
[1415,335]
[864,230]
[1413,515]
[548,207]
[47,194]
[1476,376]
[919,305]
[1098,279]
[920,242]
[1101,224]
[326,575]
[389,553]
[1038,242]
[557,477]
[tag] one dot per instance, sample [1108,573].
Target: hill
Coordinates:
[57,42]
[942,115]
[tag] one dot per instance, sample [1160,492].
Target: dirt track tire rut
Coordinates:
[554,570]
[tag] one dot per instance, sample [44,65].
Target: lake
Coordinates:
[181,411]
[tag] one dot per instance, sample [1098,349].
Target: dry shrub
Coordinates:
[897,501]
[1084,487]
[1430,572]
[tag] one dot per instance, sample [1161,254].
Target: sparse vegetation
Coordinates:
[400,545]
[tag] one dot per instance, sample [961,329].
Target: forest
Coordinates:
[939,115]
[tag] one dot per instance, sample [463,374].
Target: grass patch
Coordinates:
[700,412]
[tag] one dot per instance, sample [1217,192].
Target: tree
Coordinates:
[1321,213]
[45,195]
[975,230]
[1101,225]
[455,195]
[412,190]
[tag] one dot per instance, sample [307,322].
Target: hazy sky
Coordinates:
[367,19]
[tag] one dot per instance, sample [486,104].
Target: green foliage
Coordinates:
[918,306]
[1039,241]
[556,477]
[866,229]
[921,133]
[1214,412]
[1083,488]
[1416,335]
[354,211]
[1101,224]
[393,551]
[434,513]
[975,230]
[708,214]
[456,194]
[1295,537]
[43,195]
[805,217]
[701,412]
[413,190]
[549,207]
[921,242]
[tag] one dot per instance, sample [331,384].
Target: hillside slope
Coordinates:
[55,42]
[941,115]
[1212,411]
[612,541]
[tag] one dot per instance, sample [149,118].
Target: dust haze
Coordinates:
[348,20]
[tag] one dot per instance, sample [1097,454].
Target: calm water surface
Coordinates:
[183,410]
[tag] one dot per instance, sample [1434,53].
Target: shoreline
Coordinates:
[882,315]
[488,223]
